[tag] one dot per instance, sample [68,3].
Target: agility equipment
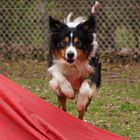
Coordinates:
[24,116]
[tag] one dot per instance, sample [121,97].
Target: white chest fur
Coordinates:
[74,73]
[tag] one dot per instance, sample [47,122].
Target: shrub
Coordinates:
[124,37]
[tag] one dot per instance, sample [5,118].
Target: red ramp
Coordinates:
[24,116]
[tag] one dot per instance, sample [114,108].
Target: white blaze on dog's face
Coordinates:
[71,53]
[72,41]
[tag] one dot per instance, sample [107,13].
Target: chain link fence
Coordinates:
[24,27]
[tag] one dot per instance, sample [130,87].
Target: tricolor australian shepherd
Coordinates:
[74,62]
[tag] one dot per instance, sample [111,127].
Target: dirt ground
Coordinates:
[129,73]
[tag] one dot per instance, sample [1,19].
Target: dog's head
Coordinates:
[71,41]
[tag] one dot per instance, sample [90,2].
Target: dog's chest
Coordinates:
[77,73]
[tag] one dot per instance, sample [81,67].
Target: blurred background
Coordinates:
[24,26]
[24,37]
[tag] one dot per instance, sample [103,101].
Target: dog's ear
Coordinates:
[55,25]
[89,25]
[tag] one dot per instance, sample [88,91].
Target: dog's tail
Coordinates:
[68,20]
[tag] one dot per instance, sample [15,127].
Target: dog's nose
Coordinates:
[70,55]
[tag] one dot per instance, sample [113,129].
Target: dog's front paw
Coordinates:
[67,89]
[59,81]
[54,85]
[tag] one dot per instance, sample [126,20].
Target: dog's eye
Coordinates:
[78,44]
[63,43]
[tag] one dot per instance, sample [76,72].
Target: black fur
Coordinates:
[84,32]
[96,63]
[59,31]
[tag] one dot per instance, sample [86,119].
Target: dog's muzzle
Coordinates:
[71,54]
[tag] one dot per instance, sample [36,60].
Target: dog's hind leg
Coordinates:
[62,102]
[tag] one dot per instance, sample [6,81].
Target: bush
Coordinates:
[124,37]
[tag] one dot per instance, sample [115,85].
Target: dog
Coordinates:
[74,61]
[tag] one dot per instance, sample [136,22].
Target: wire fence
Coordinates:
[24,27]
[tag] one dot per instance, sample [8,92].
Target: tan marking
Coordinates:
[76,40]
[60,53]
[82,56]
[66,39]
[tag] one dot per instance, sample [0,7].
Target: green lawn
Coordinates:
[115,108]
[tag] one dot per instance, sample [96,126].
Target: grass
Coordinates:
[115,108]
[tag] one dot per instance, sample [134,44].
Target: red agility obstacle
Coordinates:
[24,116]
